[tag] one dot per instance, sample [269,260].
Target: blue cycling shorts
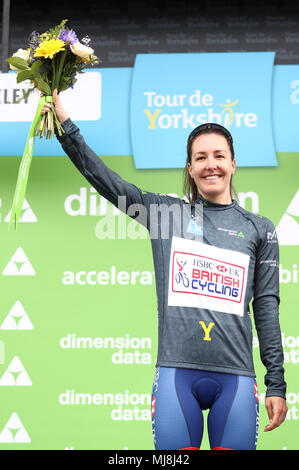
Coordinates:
[179,396]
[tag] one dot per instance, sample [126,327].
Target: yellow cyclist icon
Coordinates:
[229,117]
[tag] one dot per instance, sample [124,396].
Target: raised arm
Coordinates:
[108,183]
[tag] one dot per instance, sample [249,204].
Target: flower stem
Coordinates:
[59,71]
[54,75]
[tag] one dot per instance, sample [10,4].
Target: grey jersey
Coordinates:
[210,261]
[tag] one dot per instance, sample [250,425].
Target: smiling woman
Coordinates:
[212,262]
[210,164]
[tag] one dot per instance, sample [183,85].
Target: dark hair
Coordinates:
[189,187]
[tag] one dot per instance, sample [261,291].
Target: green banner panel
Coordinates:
[78,310]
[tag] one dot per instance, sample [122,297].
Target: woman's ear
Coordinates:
[233,165]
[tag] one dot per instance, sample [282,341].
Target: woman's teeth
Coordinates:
[214,177]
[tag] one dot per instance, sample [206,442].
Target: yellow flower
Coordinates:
[47,49]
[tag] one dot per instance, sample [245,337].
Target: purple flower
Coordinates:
[69,36]
[34,40]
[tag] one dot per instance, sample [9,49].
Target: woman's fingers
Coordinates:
[61,113]
[47,105]
[55,97]
[46,108]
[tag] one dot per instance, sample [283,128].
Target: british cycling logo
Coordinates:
[206,276]
[160,115]
[210,277]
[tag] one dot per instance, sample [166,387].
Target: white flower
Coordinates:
[22,54]
[82,51]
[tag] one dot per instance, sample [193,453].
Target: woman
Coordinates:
[211,258]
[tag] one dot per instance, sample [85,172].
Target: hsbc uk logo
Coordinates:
[221,268]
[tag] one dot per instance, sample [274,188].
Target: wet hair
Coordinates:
[189,186]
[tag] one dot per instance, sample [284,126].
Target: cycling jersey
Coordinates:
[210,260]
[180,395]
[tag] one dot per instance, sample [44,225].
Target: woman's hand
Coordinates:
[60,112]
[277,410]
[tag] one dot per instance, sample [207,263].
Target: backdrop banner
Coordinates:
[257,101]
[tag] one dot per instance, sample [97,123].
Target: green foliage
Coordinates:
[17,62]
[54,32]
[24,75]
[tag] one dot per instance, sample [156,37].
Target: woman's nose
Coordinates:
[211,163]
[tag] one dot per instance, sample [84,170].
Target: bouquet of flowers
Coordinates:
[51,61]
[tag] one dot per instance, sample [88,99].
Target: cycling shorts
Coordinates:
[179,396]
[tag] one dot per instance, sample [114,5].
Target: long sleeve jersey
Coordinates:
[210,261]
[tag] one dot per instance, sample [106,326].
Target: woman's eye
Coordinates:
[220,156]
